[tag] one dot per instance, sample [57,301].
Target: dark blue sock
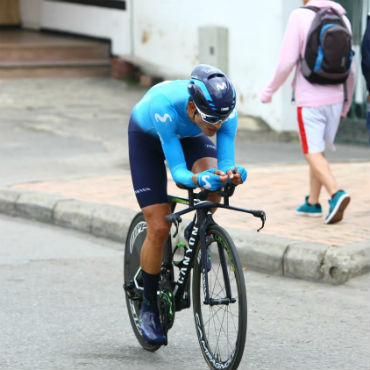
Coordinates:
[150,287]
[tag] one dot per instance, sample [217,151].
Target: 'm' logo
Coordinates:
[163,118]
[221,86]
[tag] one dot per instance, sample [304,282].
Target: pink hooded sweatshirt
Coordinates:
[294,43]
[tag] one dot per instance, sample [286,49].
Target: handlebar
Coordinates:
[226,192]
[202,195]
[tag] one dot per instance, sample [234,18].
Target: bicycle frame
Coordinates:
[203,219]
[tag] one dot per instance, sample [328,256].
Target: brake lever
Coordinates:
[175,219]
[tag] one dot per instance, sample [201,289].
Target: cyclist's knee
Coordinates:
[158,228]
[158,232]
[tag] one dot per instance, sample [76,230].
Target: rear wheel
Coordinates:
[222,323]
[132,277]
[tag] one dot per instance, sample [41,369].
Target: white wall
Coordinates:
[30,11]
[165,34]
[94,21]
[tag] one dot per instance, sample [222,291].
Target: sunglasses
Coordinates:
[210,119]
[213,120]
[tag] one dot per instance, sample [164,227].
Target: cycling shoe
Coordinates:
[150,325]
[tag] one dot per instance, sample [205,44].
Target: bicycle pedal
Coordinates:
[128,286]
[131,291]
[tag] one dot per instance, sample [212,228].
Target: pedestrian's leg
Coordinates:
[321,173]
[339,198]
[315,187]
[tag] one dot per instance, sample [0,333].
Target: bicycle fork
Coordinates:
[212,301]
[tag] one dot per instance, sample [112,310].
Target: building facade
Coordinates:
[168,37]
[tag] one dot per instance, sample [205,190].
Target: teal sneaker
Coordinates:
[337,204]
[307,209]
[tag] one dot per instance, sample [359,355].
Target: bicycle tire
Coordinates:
[221,348]
[134,241]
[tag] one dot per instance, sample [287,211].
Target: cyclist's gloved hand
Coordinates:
[236,170]
[209,180]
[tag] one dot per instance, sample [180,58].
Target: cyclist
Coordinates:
[173,123]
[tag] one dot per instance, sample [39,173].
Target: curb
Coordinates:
[268,253]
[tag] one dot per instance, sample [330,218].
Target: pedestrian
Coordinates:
[321,101]
[365,64]
[173,123]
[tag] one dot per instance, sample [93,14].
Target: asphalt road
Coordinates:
[62,307]
[61,298]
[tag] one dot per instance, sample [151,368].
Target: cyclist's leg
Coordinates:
[150,184]
[149,180]
[203,164]
[151,260]
[200,154]
[157,234]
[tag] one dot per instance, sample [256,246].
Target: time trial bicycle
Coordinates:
[218,286]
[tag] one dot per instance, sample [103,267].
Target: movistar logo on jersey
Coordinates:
[206,184]
[163,118]
[221,86]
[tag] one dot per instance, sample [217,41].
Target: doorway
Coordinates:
[9,13]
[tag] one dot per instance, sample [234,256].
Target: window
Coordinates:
[355,14]
[115,4]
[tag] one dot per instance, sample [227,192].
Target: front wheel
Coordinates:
[221,323]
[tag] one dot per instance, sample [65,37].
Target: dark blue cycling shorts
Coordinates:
[148,170]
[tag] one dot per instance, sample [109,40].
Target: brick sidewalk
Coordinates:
[278,190]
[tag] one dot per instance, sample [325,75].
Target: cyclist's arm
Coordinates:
[164,120]
[226,151]
[226,143]
[176,161]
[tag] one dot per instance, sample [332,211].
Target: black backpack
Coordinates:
[328,54]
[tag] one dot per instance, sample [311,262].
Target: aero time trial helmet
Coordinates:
[213,94]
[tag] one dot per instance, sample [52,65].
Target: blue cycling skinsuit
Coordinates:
[160,130]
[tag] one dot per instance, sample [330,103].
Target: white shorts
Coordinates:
[318,127]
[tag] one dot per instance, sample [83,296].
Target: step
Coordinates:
[58,70]
[53,52]
[56,63]
[39,54]
[32,46]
